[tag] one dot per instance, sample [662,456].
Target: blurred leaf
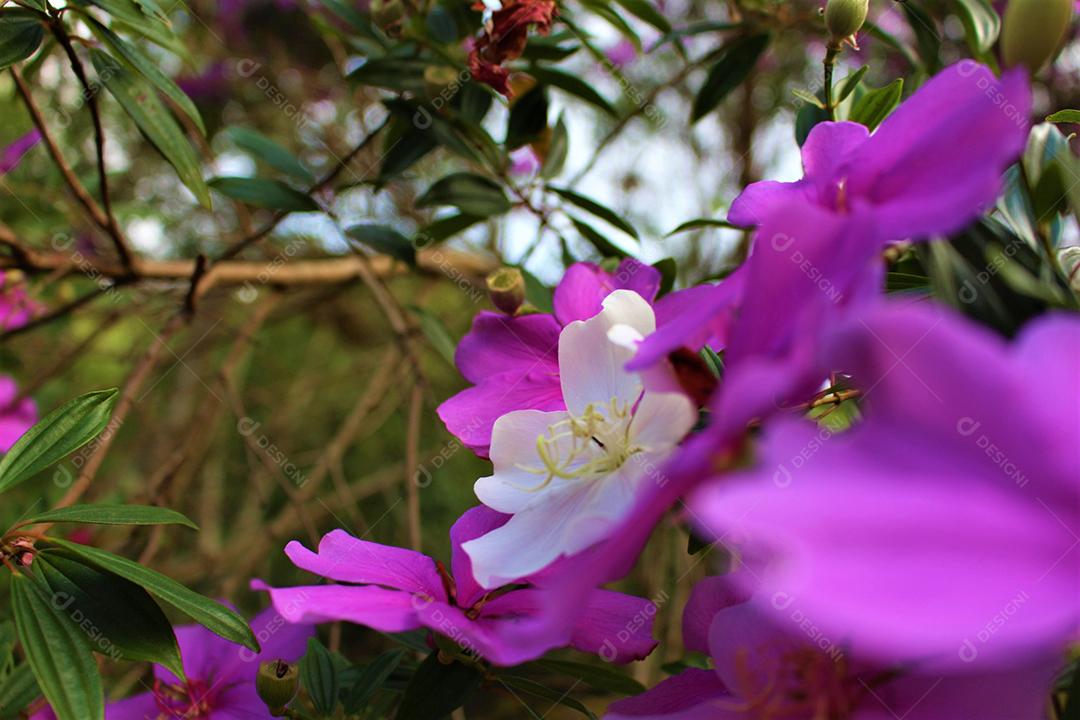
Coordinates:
[436,333]
[141,103]
[273,194]
[536,689]
[573,85]
[668,270]
[137,60]
[119,618]
[597,239]
[645,10]
[443,228]
[61,432]
[58,653]
[385,240]
[111,515]
[595,208]
[129,15]
[697,28]
[440,24]
[405,145]
[17,690]
[436,690]
[528,118]
[557,150]
[371,679]
[21,32]
[699,223]
[319,678]
[470,193]
[213,616]
[1072,704]
[601,677]
[736,60]
[873,107]
[981,24]
[927,37]
[394,73]
[1065,116]
[270,152]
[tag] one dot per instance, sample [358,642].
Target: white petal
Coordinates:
[513,447]
[591,366]
[662,420]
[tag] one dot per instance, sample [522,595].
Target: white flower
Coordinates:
[569,477]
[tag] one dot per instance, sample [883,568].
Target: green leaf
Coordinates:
[436,690]
[808,98]
[528,118]
[58,434]
[573,85]
[111,515]
[270,152]
[57,652]
[443,228]
[597,239]
[472,194]
[644,10]
[371,679]
[537,294]
[18,689]
[141,103]
[981,24]
[385,240]
[119,618]
[601,677]
[697,28]
[21,32]
[405,145]
[557,151]
[698,223]
[273,194]
[595,208]
[153,26]
[668,269]
[1065,116]
[213,616]
[927,36]
[319,678]
[734,64]
[873,107]
[850,83]
[534,688]
[137,60]
[436,333]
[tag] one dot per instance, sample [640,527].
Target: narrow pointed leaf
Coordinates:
[112,515]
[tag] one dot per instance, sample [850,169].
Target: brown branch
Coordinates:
[412,465]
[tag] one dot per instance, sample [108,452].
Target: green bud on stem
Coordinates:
[276,684]
[506,287]
[844,18]
[1032,31]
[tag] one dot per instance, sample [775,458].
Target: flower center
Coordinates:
[190,701]
[804,684]
[596,443]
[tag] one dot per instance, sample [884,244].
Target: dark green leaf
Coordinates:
[59,433]
[981,24]
[668,270]
[534,688]
[472,194]
[119,618]
[111,515]
[528,118]
[141,103]
[18,690]
[601,677]
[319,678]
[436,690]
[21,32]
[645,10]
[213,616]
[573,85]
[405,145]
[734,64]
[537,293]
[132,16]
[385,240]
[557,150]
[371,679]
[873,107]
[850,83]
[393,73]
[698,28]
[58,653]
[805,119]
[927,37]
[603,246]
[595,208]
[270,152]
[261,192]
[137,60]
[440,24]
[698,223]
[443,228]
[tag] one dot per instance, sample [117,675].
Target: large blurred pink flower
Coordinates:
[17,414]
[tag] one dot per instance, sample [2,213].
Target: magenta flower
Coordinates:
[946,525]
[16,307]
[220,681]
[17,414]
[12,155]
[514,362]
[771,661]
[818,240]
[394,590]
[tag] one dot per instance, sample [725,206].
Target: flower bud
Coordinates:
[438,78]
[276,684]
[844,18]
[506,287]
[1032,31]
[387,14]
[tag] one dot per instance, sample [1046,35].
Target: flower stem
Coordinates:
[831,53]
